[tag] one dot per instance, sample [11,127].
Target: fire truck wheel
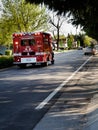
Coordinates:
[52,62]
[46,63]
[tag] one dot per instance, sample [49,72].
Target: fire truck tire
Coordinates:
[46,63]
[52,62]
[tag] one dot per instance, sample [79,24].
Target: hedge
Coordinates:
[8,52]
[6,61]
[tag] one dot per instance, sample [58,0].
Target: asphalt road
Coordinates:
[77,107]
[22,90]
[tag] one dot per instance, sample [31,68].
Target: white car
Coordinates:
[89,50]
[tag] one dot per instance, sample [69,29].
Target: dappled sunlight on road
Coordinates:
[77,107]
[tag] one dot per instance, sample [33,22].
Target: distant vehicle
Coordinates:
[90,51]
[80,48]
[32,48]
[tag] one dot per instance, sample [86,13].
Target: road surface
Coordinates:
[23,90]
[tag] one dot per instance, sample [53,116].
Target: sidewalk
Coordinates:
[77,107]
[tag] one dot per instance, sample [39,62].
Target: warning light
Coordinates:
[16,43]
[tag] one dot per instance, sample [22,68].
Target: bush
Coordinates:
[6,61]
[8,52]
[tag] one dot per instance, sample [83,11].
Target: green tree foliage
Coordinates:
[19,16]
[85,12]
[87,40]
[70,40]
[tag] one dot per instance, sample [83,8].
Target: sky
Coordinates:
[68,28]
[0,6]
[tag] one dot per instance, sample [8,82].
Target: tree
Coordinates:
[87,40]
[70,41]
[19,16]
[56,21]
[84,12]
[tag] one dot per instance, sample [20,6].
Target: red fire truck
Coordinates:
[32,48]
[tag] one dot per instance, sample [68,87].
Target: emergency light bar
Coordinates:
[26,33]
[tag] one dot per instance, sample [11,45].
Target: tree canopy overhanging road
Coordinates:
[84,12]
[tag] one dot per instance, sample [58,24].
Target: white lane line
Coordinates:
[46,100]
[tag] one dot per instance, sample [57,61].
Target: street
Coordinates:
[77,107]
[22,90]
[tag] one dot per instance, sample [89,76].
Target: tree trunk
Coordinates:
[57,38]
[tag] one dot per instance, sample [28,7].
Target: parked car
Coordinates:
[90,51]
[80,48]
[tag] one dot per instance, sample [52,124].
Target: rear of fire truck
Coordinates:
[32,48]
